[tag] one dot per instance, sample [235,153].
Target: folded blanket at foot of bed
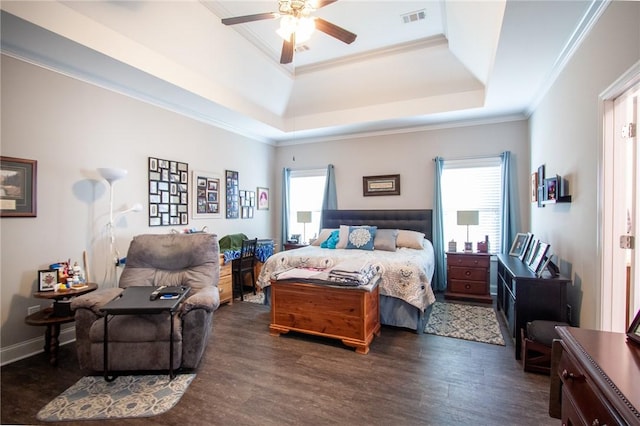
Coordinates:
[343,274]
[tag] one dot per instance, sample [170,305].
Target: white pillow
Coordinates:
[410,239]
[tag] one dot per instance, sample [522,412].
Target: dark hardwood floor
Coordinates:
[248,377]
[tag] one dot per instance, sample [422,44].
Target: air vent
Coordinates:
[418,15]
[301,48]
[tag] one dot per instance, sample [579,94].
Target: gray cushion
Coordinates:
[385,239]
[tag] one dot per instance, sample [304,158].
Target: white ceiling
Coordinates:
[468,61]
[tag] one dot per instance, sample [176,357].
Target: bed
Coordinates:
[405,293]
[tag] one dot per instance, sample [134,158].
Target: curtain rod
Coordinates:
[476,157]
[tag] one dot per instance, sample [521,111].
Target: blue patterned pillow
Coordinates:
[361,237]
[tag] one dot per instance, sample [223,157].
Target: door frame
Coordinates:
[611,296]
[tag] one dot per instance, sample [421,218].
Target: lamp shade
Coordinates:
[110,174]
[304,217]
[468,217]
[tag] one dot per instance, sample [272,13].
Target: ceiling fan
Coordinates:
[297,24]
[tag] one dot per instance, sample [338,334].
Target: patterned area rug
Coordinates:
[468,322]
[92,398]
[252,298]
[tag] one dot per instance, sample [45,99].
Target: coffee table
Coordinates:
[136,301]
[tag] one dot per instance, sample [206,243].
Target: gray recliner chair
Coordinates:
[141,342]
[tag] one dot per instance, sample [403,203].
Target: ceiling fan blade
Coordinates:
[250,18]
[323,3]
[335,31]
[287,50]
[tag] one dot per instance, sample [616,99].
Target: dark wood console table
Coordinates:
[523,297]
[600,374]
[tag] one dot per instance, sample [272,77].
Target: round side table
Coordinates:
[52,319]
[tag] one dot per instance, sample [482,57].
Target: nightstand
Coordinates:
[468,277]
[224,284]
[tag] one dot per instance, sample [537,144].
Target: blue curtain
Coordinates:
[330,198]
[509,203]
[440,275]
[286,174]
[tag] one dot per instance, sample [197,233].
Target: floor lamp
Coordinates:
[111,175]
[468,217]
[304,217]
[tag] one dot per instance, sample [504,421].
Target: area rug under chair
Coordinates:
[93,398]
[468,322]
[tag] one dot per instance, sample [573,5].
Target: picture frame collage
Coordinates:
[168,192]
[533,252]
[207,195]
[247,204]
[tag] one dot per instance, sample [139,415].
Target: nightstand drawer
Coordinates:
[468,287]
[469,274]
[225,288]
[469,260]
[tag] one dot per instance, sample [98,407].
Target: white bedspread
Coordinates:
[406,273]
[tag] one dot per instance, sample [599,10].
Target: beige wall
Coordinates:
[566,136]
[71,128]
[410,155]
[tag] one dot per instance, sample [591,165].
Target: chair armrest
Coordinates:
[96,299]
[207,298]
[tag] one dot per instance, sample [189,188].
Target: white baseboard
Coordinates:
[34,346]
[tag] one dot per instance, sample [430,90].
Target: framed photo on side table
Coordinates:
[47,279]
[634,330]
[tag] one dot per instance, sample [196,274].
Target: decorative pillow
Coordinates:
[410,239]
[361,237]
[331,242]
[322,237]
[344,235]
[385,239]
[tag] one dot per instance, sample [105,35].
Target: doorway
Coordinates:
[620,214]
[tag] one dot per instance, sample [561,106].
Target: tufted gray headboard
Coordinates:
[413,220]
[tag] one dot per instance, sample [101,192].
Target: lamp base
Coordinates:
[468,247]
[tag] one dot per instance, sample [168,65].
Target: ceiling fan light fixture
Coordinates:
[303,27]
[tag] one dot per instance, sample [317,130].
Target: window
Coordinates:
[306,189]
[473,184]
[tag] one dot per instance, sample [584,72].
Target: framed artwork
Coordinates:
[233,194]
[263,198]
[247,204]
[519,244]
[539,257]
[168,192]
[18,184]
[551,188]
[527,244]
[47,279]
[531,251]
[534,187]
[207,195]
[634,329]
[381,185]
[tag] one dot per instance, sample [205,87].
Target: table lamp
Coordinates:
[304,217]
[468,217]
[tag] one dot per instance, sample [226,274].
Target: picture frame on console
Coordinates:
[539,257]
[531,251]
[519,245]
[633,333]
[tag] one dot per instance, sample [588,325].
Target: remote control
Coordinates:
[156,292]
